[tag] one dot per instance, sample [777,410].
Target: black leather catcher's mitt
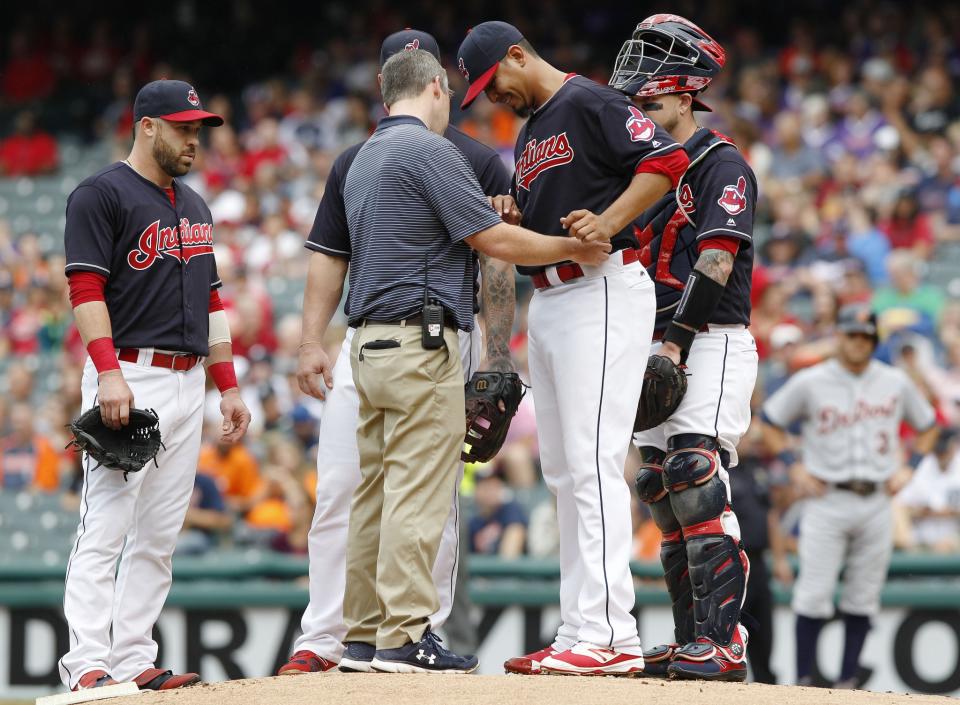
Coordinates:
[487,425]
[127,449]
[664,385]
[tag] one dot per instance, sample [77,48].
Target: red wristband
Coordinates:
[224,376]
[102,353]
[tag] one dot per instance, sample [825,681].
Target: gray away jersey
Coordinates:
[851,423]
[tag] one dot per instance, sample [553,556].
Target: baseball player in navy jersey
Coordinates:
[584,146]
[696,243]
[143,284]
[850,409]
[320,647]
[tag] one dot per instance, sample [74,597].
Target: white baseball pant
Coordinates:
[589,340]
[136,519]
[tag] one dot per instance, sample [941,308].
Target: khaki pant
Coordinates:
[410,433]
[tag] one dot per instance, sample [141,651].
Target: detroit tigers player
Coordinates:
[850,409]
[319,647]
[697,245]
[584,145]
[143,284]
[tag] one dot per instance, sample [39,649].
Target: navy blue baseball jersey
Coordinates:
[157,257]
[715,197]
[581,149]
[329,233]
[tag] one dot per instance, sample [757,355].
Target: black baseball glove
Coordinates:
[126,450]
[664,385]
[487,425]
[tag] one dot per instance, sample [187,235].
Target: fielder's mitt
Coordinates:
[664,385]
[127,449]
[486,425]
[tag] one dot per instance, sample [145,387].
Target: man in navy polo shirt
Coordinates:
[143,285]
[588,162]
[320,647]
[414,210]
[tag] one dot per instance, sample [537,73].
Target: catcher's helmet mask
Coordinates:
[667,54]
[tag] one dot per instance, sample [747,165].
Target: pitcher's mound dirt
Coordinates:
[382,689]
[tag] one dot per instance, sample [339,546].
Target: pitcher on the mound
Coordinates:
[588,162]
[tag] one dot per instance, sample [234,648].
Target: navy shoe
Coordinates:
[425,656]
[357,657]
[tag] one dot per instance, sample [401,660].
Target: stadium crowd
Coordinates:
[852,127]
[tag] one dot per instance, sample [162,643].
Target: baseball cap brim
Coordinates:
[209,119]
[478,86]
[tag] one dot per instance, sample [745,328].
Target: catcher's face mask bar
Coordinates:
[646,54]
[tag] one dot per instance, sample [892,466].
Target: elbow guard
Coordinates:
[219,328]
[700,298]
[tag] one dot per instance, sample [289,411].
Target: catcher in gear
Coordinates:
[697,245]
[492,400]
[126,449]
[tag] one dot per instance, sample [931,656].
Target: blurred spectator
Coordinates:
[234,468]
[500,525]
[905,290]
[932,499]
[907,228]
[793,159]
[29,151]
[27,460]
[28,75]
[206,516]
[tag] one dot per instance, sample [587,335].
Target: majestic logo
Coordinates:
[410,46]
[640,127]
[463,69]
[182,243]
[193,98]
[537,157]
[734,198]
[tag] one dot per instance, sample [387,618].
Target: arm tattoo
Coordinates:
[716,264]
[499,300]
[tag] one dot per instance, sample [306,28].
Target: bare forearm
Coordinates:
[511,545]
[499,299]
[643,192]
[322,294]
[716,264]
[924,442]
[93,321]
[776,439]
[221,352]
[511,243]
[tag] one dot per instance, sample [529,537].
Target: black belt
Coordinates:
[864,488]
[448,321]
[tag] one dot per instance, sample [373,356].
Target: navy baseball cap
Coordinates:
[857,318]
[480,54]
[175,101]
[408,40]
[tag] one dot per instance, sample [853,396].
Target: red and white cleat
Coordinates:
[528,664]
[585,659]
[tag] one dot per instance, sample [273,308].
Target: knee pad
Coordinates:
[650,489]
[697,494]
